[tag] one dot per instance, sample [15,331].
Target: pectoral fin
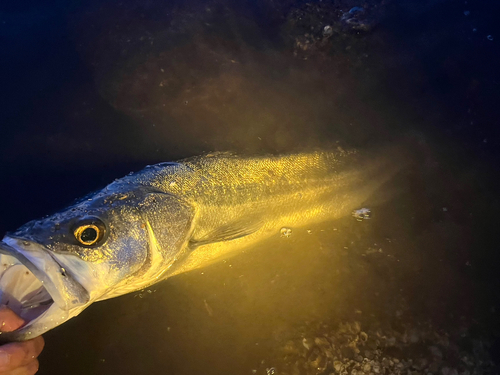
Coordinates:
[227,232]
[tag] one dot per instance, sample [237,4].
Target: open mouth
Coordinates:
[36,287]
[21,290]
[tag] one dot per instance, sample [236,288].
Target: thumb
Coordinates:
[9,320]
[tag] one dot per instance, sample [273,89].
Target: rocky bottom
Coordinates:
[353,349]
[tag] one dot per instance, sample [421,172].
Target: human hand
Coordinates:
[18,358]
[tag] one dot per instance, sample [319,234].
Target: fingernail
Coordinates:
[4,359]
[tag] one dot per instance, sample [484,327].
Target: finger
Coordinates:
[29,369]
[17,354]
[9,321]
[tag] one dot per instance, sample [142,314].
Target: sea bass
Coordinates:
[171,218]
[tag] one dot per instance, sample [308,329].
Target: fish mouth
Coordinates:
[36,287]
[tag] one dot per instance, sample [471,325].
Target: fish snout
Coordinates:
[37,288]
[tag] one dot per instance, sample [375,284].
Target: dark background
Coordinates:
[81,105]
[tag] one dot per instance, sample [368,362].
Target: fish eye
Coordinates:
[89,232]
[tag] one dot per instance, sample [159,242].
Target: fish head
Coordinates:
[110,244]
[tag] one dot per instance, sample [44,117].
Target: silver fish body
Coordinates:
[171,218]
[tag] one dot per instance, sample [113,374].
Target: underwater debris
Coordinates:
[362,214]
[327,31]
[285,232]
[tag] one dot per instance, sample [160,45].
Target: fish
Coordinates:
[171,218]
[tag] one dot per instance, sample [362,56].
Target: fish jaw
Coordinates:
[38,288]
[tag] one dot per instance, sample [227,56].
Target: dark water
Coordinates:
[92,90]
